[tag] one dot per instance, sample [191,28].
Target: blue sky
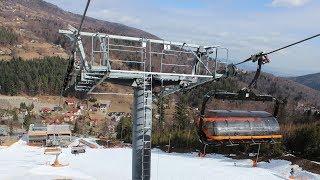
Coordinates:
[244,26]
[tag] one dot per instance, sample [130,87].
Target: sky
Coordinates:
[244,26]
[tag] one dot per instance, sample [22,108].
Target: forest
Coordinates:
[43,76]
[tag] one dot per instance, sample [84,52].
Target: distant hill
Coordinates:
[284,87]
[29,29]
[310,80]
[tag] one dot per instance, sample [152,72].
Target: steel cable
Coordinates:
[279,49]
[83,17]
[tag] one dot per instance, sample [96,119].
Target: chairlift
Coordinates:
[78,149]
[234,127]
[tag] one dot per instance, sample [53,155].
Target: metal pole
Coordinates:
[141,133]
[258,152]
[216,63]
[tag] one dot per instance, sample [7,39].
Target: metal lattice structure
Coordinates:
[148,65]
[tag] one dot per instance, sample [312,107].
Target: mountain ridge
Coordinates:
[310,80]
[35,25]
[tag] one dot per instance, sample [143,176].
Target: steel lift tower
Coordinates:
[152,67]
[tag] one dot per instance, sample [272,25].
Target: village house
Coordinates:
[94,109]
[37,134]
[58,134]
[58,119]
[49,135]
[68,117]
[57,108]
[104,107]
[72,115]
[70,102]
[81,106]
[76,112]
[45,110]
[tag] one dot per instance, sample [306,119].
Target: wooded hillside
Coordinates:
[42,76]
[310,80]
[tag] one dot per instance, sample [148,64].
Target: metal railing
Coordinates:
[152,55]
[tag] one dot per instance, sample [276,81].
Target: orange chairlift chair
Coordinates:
[231,127]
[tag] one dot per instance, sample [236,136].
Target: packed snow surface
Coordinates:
[20,161]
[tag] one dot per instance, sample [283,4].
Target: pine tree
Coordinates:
[27,121]
[181,115]
[124,129]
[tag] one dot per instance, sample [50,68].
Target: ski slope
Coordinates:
[20,161]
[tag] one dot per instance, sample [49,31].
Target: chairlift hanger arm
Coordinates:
[242,95]
[261,60]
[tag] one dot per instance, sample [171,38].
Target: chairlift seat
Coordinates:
[240,126]
[230,127]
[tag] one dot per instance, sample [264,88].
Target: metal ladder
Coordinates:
[147,122]
[146,151]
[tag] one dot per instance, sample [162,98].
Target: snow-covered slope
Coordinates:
[23,162]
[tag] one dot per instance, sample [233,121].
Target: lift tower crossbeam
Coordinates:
[147,65]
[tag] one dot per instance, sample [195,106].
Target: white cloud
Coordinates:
[289,3]
[114,16]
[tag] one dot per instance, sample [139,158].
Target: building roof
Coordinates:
[58,129]
[45,109]
[37,133]
[37,130]
[34,127]
[70,101]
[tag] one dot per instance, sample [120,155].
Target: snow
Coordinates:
[316,162]
[20,161]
